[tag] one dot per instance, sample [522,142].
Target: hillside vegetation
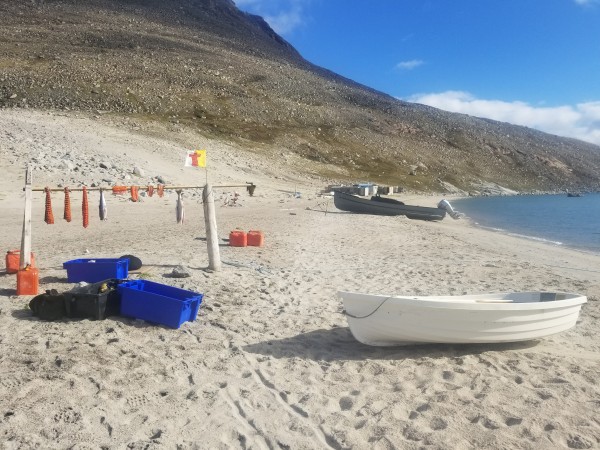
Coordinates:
[206,65]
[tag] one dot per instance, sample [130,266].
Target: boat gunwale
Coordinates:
[466,302]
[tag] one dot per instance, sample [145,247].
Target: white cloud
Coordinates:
[409,65]
[286,22]
[284,16]
[581,121]
[586,2]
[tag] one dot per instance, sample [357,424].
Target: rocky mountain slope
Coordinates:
[207,66]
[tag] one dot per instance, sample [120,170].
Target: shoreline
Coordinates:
[554,220]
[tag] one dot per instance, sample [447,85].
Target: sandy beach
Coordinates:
[270,362]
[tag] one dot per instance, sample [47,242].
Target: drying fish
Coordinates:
[179,208]
[102,206]
[135,197]
[119,190]
[85,212]
[67,214]
[49,216]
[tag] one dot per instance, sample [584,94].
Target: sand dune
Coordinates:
[270,362]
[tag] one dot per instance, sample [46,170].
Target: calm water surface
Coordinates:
[562,220]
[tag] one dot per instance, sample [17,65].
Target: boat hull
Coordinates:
[387,321]
[352,203]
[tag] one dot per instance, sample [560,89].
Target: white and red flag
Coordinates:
[195,158]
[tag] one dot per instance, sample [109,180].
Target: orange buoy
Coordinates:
[160,190]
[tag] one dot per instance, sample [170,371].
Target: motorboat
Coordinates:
[384,206]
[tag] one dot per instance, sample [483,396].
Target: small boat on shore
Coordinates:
[384,206]
[382,320]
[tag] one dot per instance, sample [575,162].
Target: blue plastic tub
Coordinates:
[97,269]
[158,303]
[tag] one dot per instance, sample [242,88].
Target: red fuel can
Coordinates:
[28,281]
[238,238]
[256,238]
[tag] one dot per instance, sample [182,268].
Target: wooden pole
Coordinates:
[212,237]
[25,259]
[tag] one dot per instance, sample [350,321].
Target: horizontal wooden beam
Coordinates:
[249,186]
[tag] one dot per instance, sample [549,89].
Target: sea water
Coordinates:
[556,219]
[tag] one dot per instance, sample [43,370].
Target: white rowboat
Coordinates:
[508,317]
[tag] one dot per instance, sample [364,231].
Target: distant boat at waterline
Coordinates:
[382,320]
[383,206]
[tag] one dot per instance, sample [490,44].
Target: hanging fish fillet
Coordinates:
[49,216]
[102,206]
[179,209]
[135,194]
[119,189]
[85,213]
[67,214]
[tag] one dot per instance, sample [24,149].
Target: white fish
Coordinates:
[102,207]
[179,209]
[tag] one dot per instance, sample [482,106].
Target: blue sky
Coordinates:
[528,62]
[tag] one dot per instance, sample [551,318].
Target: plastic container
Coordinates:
[238,238]
[28,281]
[88,302]
[13,260]
[256,238]
[158,303]
[92,270]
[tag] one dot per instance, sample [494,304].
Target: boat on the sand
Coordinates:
[384,206]
[383,320]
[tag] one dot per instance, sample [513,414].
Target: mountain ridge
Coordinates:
[207,65]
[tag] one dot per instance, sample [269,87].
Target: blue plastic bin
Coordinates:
[158,303]
[98,269]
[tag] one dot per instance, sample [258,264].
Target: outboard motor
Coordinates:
[445,204]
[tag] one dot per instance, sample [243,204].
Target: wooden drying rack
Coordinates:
[212,240]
